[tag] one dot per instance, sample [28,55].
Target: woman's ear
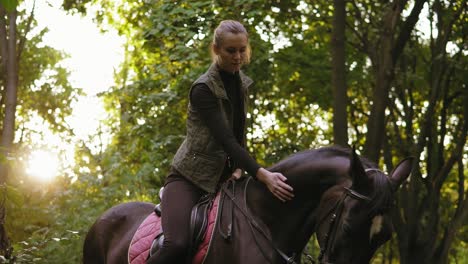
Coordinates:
[215,49]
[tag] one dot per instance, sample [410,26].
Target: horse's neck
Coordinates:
[271,210]
[298,215]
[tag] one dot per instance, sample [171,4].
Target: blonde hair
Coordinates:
[229,26]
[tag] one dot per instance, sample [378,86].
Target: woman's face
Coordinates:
[232,52]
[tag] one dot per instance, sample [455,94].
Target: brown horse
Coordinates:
[345,200]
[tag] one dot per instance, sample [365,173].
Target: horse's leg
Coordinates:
[109,237]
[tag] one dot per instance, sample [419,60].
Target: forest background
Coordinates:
[389,77]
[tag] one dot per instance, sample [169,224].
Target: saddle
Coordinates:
[149,237]
[199,220]
[198,224]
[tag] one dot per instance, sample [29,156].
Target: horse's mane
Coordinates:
[320,153]
[382,196]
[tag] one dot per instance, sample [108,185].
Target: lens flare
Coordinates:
[43,165]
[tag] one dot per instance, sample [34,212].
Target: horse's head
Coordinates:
[354,218]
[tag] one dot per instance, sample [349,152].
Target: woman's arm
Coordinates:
[203,101]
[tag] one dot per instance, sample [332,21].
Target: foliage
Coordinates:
[290,110]
[9,4]
[45,96]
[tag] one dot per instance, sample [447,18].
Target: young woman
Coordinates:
[214,147]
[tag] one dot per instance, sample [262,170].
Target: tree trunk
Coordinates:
[383,63]
[429,234]
[9,57]
[340,99]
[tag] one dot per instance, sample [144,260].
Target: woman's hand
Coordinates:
[275,182]
[237,174]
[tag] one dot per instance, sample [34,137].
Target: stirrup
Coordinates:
[158,210]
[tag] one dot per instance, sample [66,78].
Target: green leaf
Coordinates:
[13,195]
[9,5]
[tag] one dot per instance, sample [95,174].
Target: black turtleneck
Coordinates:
[204,101]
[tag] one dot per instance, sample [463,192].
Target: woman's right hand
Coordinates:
[276,183]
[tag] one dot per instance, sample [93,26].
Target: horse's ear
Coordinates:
[401,172]
[361,183]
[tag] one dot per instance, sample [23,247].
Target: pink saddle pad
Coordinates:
[141,242]
[151,227]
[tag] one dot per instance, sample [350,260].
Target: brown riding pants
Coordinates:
[179,196]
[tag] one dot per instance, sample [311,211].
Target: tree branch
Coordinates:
[22,40]
[446,102]
[407,28]
[396,114]
[364,41]
[3,58]
[3,43]
[362,37]
[455,155]
[459,217]
[457,14]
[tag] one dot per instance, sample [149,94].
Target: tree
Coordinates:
[32,85]
[9,75]
[383,40]
[435,132]
[340,99]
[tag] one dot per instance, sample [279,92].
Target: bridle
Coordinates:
[337,212]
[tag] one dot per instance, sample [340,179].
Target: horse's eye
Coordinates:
[346,228]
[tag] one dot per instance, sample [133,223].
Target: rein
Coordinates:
[254,224]
[337,211]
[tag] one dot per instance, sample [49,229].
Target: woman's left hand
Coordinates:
[276,183]
[237,174]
